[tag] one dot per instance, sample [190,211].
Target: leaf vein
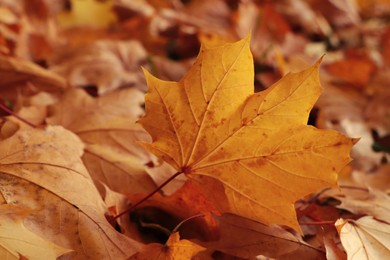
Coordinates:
[210,102]
[173,125]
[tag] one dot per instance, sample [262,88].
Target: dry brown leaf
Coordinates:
[16,241]
[333,252]
[246,239]
[160,171]
[128,8]
[174,249]
[342,110]
[35,115]
[41,169]
[8,37]
[377,110]
[16,73]
[167,69]
[107,127]
[106,64]
[378,179]
[356,71]
[365,238]
[244,148]
[211,16]
[371,202]
[338,13]
[300,12]
[33,111]
[349,10]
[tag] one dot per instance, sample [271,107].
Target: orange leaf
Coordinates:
[173,249]
[186,202]
[357,70]
[252,154]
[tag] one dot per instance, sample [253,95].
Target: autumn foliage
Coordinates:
[214,129]
[193,130]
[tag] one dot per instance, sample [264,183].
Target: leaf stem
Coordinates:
[148,196]
[185,220]
[9,111]
[354,188]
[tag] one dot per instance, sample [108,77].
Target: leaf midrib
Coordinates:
[210,103]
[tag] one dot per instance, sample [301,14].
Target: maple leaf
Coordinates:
[41,169]
[173,249]
[365,238]
[15,73]
[17,241]
[252,154]
[106,64]
[360,202]
[106,126]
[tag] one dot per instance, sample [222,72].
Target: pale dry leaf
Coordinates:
[168,69]
[106,64]
[377,110]
[371,202]
[209,16]
[17,241]
[107,127]
[13,30]
[42,170]
[212,16]
[377,179]
[333,252]
[342,110]
[15,73]
[117,203]
[114,200]
[139,7]
[350,13]
[300,12]
[34,113]
[160,172]
[365,238]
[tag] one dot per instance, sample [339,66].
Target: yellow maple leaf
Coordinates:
[253,154]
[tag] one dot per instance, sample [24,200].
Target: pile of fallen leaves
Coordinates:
[222,148]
